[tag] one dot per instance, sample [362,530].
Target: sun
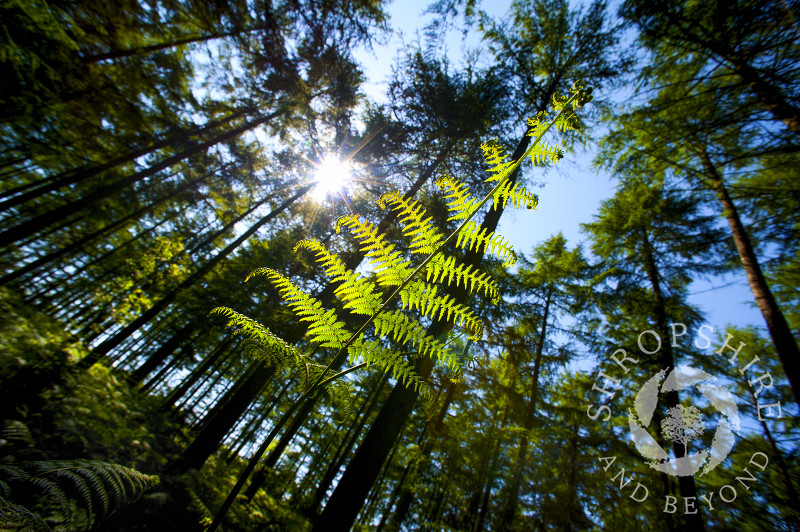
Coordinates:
[331,177]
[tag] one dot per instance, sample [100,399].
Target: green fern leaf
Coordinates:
[425,297]
[371,352]
[389,266]
[274,349]
[324,327]
[460,202]
[83,480]
[445,269]
[356,293]
[425,238]
[474,236]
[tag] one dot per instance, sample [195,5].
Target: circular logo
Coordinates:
[683,423]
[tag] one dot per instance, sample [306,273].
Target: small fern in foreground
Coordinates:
[76,494]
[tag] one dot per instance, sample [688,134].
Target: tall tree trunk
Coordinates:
[249,436]
[64,179]
[782,338]
[195,375]
[510,510]
[119,54]
[235,403]
[791,492]
[99,352]
[341,453]
[78,244]
[161,354]
[407,496]
[686,483]
[37,223]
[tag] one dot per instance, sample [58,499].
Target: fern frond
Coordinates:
[516,194]
[543,152]
[324,327]
[390,267]
[445,269]
[473,235]
[496,158]
[425,238]
[371,352]
[425,297]
[85,481]
[460,202]
[17,517]
[357,293]
[407,331]
[272,349]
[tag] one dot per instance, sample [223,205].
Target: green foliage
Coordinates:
[398,330]
[66,494]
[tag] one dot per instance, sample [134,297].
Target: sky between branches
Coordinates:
[573,189]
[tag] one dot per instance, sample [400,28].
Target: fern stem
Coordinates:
[341,374]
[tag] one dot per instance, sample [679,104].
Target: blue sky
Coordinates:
[573,190]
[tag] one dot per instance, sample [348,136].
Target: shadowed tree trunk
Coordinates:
[37,223]
[782,338]
[99,352]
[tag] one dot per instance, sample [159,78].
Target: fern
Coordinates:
[388,263]
[99,488]
[358,294]
[392,270]
[361,296]
[442,268]
[324,328]
[425,238]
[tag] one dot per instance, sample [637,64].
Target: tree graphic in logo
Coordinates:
[683,423]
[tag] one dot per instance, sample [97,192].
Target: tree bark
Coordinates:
[161,354]
[234,404]
[686,483]
[779,331]
[510,510]
[195,375]
[37,223]
[99,352]
[119,54]
[81,174]
[76,245]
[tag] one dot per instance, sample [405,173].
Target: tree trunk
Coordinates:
[37,223]
[782,338]
[686,483]
[99,352]
[119,54]
[510,510]
[76,245]
[195,375]
[341,454]
[161,354]
[234,404]
[407,496]
[81,174]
